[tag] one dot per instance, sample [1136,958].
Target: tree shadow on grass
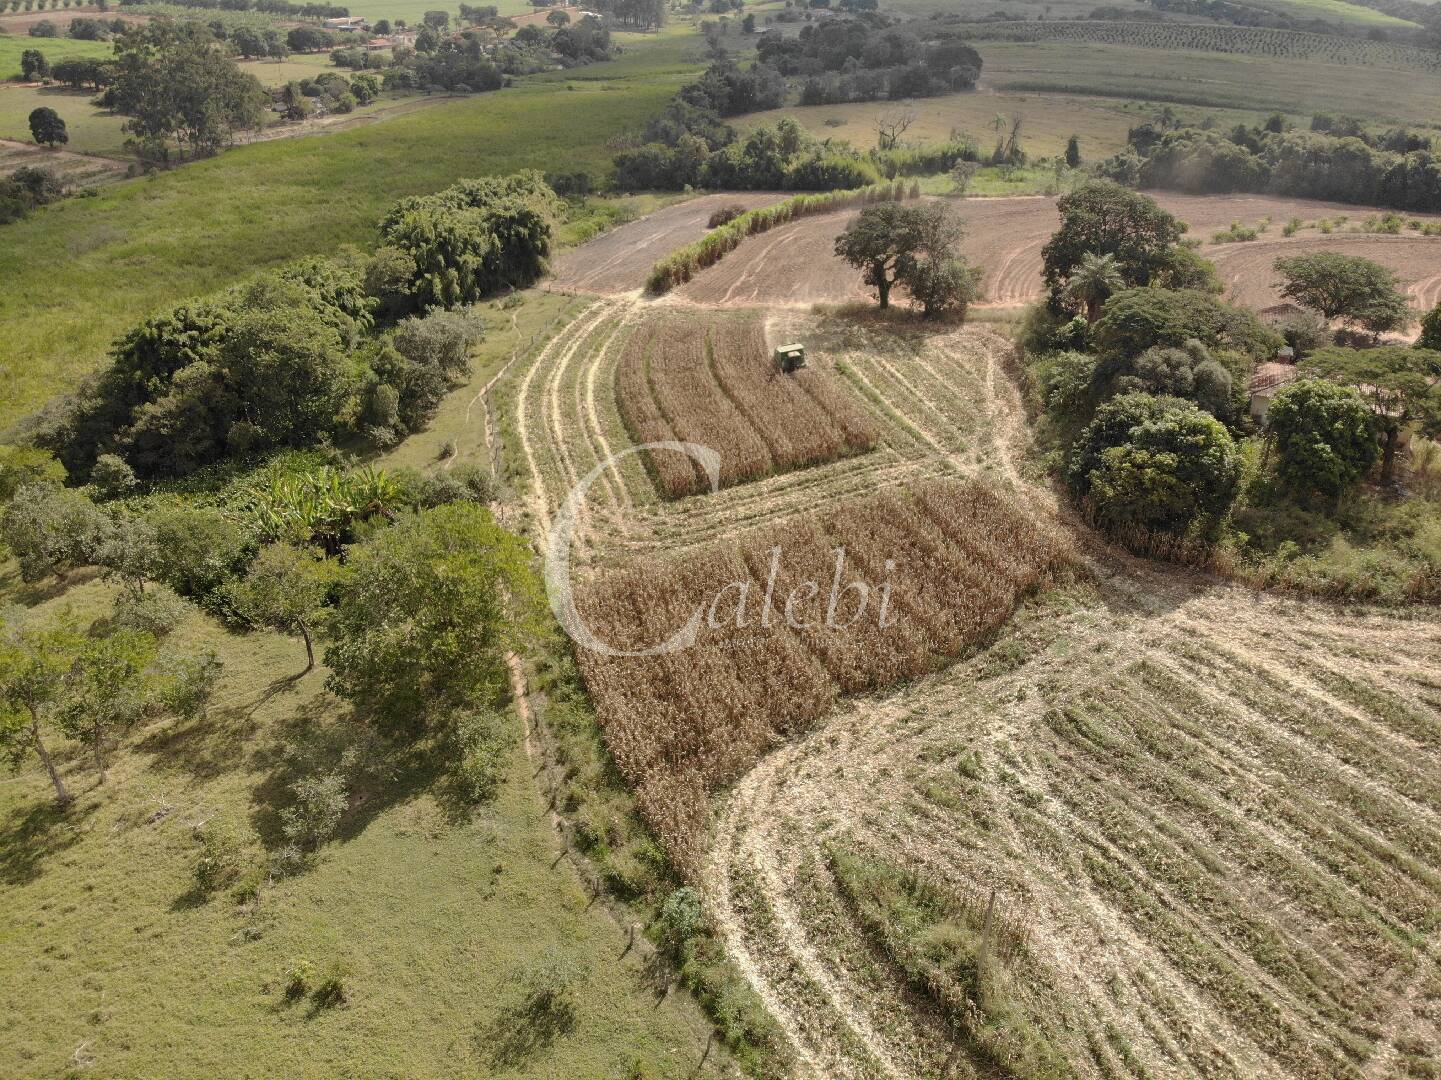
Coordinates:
[379,773]
[525,1029]
[216,741]
[34,832]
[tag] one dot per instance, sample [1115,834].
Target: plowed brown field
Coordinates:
[618,262]
[795,266]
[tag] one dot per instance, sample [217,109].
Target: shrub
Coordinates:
[111,476]
[200,551]
[157,611]
[51,529]
[320,802]
[681,918]
[221,857]
[190,682]
[481,740]
[725,215]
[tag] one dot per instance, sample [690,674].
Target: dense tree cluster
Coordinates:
[868,58]
[294,355]
[1398,169]
[473,238]
[1142,370]
[268,7]
[177,84]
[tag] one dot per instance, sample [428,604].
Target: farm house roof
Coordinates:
[1271,375]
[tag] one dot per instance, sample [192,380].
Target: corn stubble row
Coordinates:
[684,379]
[683,725]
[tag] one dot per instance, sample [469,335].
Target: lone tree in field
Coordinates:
[1324,436]
[1093,281]
[1398,384]
[285,589]
[1103,218]
[1347,287]
[33,65]
[47,128]
[890,240]
[558,19]
[1073,153]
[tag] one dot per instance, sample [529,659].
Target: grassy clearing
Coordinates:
[151,243]
[1211,79]
[1337,11]
[16,42]
[91,130]
[433,916]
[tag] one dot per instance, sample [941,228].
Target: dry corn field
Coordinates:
[857,597]
[939,403]
[1156,826]
[712,381]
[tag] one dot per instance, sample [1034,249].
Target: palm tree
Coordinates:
[1094,279]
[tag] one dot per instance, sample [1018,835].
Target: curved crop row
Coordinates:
[1200,37]
[680,266]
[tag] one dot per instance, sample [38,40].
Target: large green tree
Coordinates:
[1399,385]
[108,688]
[177,84]
[1347,287]
[47,128]
[1324,436]
[1103,218]
[1158,466]
[889,241]
[428,612]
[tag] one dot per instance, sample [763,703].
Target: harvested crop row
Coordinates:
[876,591]
[713,384]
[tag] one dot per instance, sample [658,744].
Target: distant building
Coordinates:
[349,22]
[1266,382]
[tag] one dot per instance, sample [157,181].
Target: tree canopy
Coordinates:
[1103,218]
[1324,435]
[176,83]
[428,611]
[1347,287]
[1398,384]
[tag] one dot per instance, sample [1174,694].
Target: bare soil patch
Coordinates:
[618,262]
[796,266]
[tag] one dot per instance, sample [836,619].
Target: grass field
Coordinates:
[12,45]
[145,245]
[434,915]
[1048,120]
[1337,11]
[1211,79]
[91,130]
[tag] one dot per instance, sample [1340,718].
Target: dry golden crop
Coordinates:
[712,382]
[875,591]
